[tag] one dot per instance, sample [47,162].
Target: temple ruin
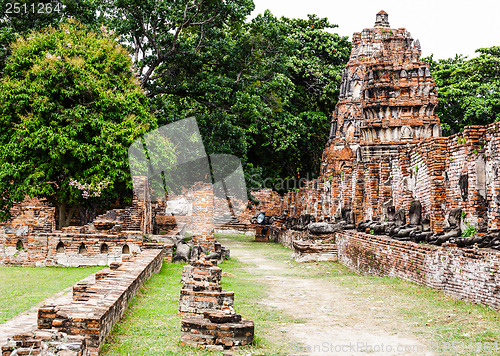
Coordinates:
[394,197]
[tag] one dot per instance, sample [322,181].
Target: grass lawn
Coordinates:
[152,326]
[23,287]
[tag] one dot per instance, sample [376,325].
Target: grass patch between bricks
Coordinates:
[152,325]
[23,287]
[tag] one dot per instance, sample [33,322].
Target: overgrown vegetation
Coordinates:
[468,89]
[22,287]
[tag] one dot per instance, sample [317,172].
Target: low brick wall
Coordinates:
[68,249]
[98,304]
[467,274]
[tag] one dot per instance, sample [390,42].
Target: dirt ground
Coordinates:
[336,320]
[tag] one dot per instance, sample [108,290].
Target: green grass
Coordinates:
[23,287]
[152,325]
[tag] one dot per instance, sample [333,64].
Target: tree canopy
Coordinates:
[469,89]
[263,91]
[19,18]
[70,106]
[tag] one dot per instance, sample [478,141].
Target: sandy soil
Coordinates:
[336,319]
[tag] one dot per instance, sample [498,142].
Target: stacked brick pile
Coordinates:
[210,321]
[33,344]
[201,291]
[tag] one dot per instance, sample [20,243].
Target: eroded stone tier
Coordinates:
[200,288]
[387,96]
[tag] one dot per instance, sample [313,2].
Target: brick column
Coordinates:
[203,215]
[141,216]
[437,156]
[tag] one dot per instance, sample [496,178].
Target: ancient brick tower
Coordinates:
[387,98]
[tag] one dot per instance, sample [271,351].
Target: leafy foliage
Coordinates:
[469,89]
[263,91]
[70,106]
[38,14]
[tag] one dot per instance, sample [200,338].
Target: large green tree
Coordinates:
[17,18]
[263,90]
[70,106]
[469,89]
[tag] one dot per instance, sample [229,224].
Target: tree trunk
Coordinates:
[62,215]
[65,219]
[87,215]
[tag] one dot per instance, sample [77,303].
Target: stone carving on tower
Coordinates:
[387,97]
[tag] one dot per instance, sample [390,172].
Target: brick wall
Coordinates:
[97,306]
[428,171]
[468,274]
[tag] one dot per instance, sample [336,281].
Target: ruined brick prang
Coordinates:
[385,148]
[387,96]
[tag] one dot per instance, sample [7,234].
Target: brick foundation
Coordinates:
[218,335]
[309,251]
[97,305]
[468,274]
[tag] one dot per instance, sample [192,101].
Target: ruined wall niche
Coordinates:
[19,245]
[349,132]
[356,90]
[60,247]
[481,177]
[82,249]
[104,248]
[406,133]
[125,250]
[463,184]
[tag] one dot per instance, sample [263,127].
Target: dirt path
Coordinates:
[336,319]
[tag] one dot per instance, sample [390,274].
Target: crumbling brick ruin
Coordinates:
[79,326]
[209,318]
[387,171]
[385,149]
[31,239]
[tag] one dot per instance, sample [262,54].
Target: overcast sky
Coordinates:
[444,27]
